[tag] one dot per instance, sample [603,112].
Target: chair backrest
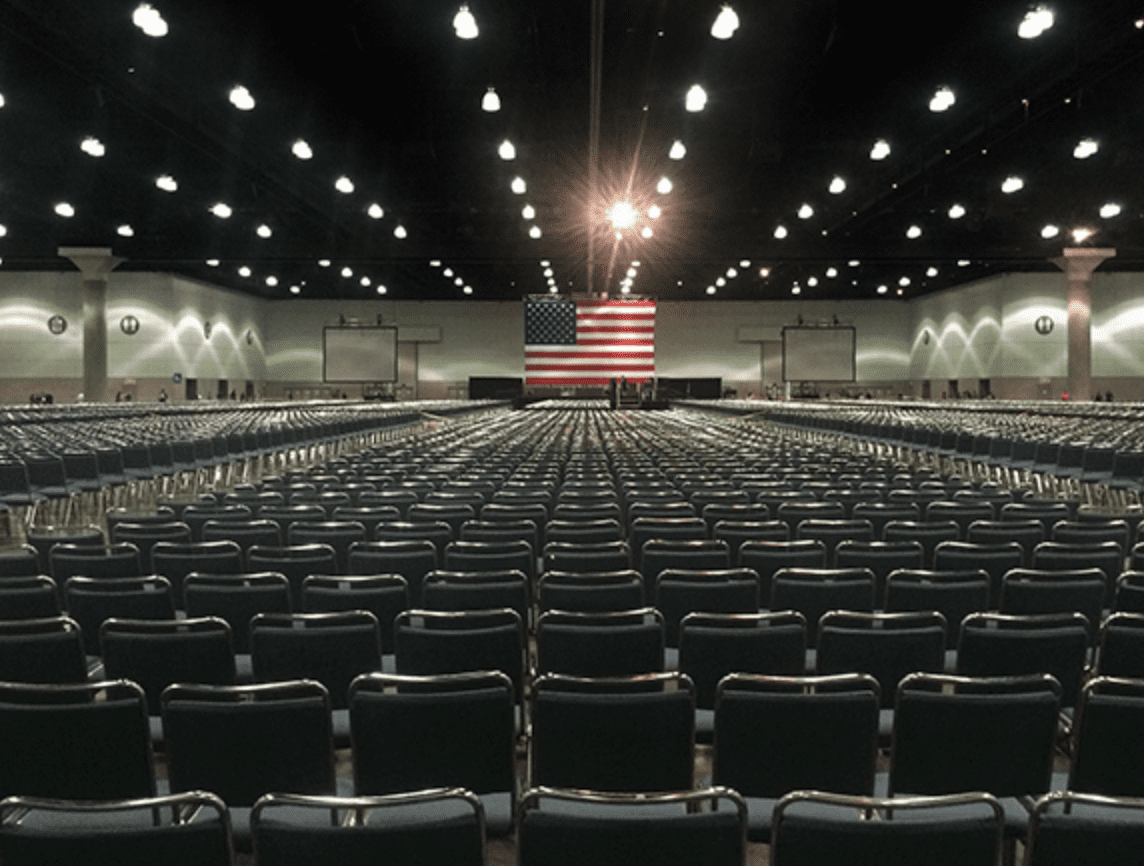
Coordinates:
[339,534]
[814,591]
[384,595]
[113,560]
[177,830]
[175,561]
[236,598]
[438,826]
[502,530]
[91,600]
[1091,529]
[767,557]
[1107,747]
[644,529]
[295,561]
[1002,645]
[579,557]
[812,827]
[996,558]
[196,515]
[246,533]
[48,650]
[447,642]
[1129,595]
[479,590]
[412,558]
[680,591]
[566,828]
[32,596]
[241,742]
[415,732]
[881,513]
[713,645]
[80,741]
[600,644]
[888,646]
[1120,646]
[157,653]
[1061,556]
[20,561]
[145,535]
[1028,532]
[584,531]
[955,594]
[590,591]
[774,735]
[929,534]
[613,733]
[332,648]
[1036,590]
[881,557]
[1066,828]
[993,734]
[490,556]
[962,512]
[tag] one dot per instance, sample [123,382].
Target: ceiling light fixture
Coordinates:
[781,232]
[528,212]
[831,273]
[166,183]
[490,102]
[375,211]
[837,185]
[399,232]
[347,272]
[883,289]
[295,290]
[1035,22]
[534,232]
[1085,148]
[272,280]
[92,147]
[264,231]
[301,149]
[244,271]
[710,290]
[1109,210]
[942,100]
[222,210]
[240,98]
[1050,231]
[805,212]
[381,289]
[880,150]
[364,281]
[696,99]
[1081,235]
[506,151]
[796,289]
[914,232]
[956,211]
[148,19]
[726,23]
[646,232]
[344,185]
[125,231]
[931,271]
[678,150]
[1011,184]
[664,186]
[622,215]
[465,24]
[518,186]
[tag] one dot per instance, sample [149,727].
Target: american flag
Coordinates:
[591,342]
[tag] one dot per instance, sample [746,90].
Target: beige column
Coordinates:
[95,263]
[1078,263]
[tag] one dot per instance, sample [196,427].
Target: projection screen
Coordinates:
[359,354]
[819,355]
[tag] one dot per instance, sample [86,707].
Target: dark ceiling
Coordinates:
[388,96]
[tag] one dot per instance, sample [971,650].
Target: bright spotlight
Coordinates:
[622,215]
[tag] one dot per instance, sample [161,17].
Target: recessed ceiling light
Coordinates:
[468,290]
[710,290]
[272,281]
[880,150]
[654,212]
[264,231]
[548,272]
[375,211]
[812,282]
[854,263]
[344,185]
[490,102]
[942,100]
[64,209]
[166,183]
[720,282]
[92,147]
[931,271]
[241,99]
[883,289]
[914,231]
[222,210]
[744,263]
[732,273]
[244,271]
[534,232]
[1085,148]
[696,98]
[837,185]
[519,186]
[963,263]
[448,272]
[832,272]
[1012,183]
[726,23]
[805,212]
[678,150]
[458,282]
[301,149]
[528,212]
[1050,231]
[399,232]
[323,263]
[125,231]
[904,281]
[1109,210]
[796,289]
[781,232]
[664,186]
[434,263]
[506,151]
[764,272]
[464,24]
[956,212]
[646,232]
[347,272]
[381,289]
[214,263]
[1035,22]
[364,281]
[295,290]
[1081,235]
[148,19]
